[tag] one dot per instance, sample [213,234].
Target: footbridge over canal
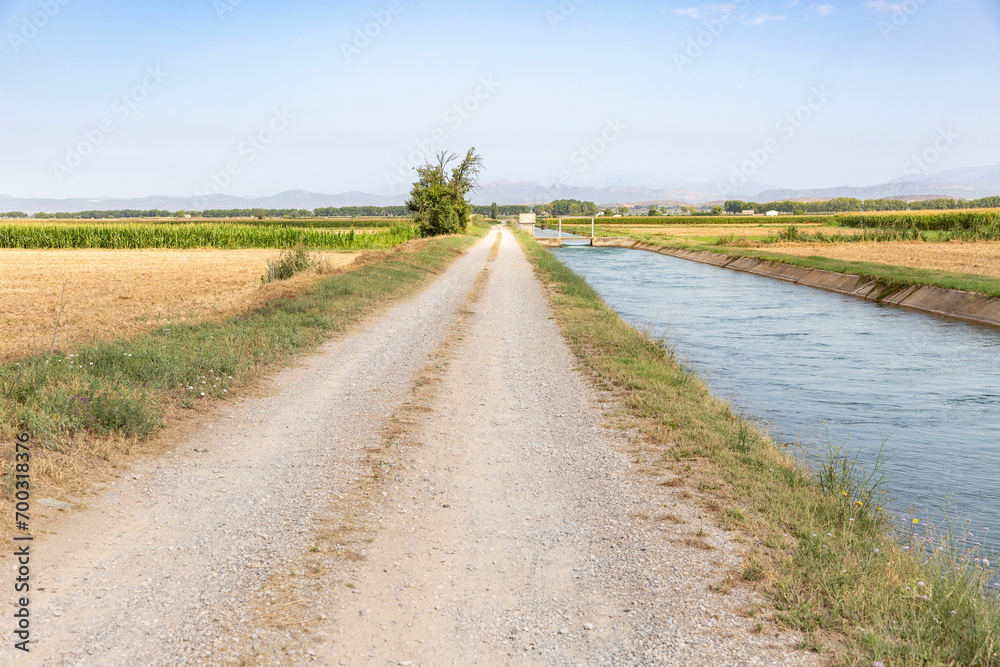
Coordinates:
[557,238]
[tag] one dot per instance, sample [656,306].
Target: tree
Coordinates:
[259,213]
[623,210]
[608,212]
[716,210]
[494,211]
[437,199]
[653,210]
[691,209]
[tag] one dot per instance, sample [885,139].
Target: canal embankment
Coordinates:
[962,304]
[819,545]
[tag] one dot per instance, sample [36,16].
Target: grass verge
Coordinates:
[84,411]
[887,275]
[820,547]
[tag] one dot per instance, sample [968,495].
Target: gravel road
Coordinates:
[512,528]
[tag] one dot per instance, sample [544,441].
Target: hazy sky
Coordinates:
[249,97]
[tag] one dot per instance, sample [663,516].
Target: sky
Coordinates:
[251,98]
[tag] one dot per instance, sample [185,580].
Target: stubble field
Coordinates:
[117,293]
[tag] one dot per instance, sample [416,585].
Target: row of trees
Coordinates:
[362,212]
[850,204]
[261,213]
[440,192]
[494,211]
[566,207]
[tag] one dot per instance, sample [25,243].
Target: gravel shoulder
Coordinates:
[442,488]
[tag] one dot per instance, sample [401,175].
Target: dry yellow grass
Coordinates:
[981,258]
[115,293]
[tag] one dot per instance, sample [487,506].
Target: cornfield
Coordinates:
[135,236]
[963,221]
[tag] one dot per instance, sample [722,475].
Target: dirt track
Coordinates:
[505,528]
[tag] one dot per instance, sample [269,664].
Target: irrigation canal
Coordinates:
[816,367]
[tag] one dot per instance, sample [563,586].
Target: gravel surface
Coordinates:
[158,569]
[513,528]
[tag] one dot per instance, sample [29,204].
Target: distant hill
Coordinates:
[966,183]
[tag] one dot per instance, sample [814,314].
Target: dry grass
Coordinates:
[118,293]
[981,258]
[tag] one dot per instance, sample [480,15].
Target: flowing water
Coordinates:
[816,366]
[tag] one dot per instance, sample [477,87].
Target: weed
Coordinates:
[288,263]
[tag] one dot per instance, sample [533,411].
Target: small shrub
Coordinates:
[288,263]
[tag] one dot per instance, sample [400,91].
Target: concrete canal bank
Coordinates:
[952,303]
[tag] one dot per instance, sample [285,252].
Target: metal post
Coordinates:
[591,230]
[560,227]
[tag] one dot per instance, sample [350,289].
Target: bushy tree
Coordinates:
[437,199]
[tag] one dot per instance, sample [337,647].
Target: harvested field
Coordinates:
[981,258]
[116,293]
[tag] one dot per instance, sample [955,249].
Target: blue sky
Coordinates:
[248,97]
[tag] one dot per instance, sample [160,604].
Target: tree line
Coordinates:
[566,207]
[559,207]
[496,211]
[850,204]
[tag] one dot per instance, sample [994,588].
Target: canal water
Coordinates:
[817,367]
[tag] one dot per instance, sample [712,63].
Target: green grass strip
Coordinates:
[831,562]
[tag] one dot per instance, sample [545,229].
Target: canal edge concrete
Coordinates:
[959,304]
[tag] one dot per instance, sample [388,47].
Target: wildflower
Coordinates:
[986,562]
[850,518]
[953,612]
[916,521]
[844,492]
[876,551]
[907,588]
[920,583]
[924,597]
[829,534]
[878,663]
[202,393]
[906,548]
[860,504]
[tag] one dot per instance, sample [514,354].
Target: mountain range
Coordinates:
[966,183]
